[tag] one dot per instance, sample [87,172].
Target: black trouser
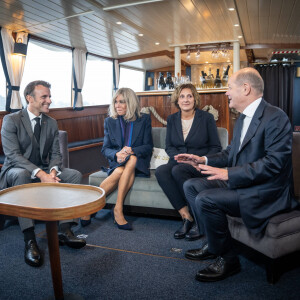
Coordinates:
[212,200]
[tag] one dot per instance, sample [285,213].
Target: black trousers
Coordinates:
[211,201]
[171,178]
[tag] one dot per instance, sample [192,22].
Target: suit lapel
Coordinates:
[178,126]
[26,122]
[256,120]
[116,131]
[195,125]
[136,130]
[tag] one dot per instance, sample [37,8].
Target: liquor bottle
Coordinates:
[225,76]
[218,83]
[210,79]
[203,80]
[169,81]
[161,82]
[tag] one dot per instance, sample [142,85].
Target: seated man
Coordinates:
[31,146]
[257,183]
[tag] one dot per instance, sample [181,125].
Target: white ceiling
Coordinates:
[84,24]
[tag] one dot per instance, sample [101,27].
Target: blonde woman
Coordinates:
[127,146]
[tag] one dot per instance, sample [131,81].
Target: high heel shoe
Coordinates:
[126,226]
[87,222]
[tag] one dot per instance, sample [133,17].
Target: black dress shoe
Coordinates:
[68,238]
[193,234]
[219,270]
[32,254]
[183,230]
[200,254]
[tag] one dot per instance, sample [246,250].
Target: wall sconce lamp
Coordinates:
[298,72]
[20,48]
[150,81]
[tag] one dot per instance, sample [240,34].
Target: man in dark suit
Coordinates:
[31,146]
[257,183]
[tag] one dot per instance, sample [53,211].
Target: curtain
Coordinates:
[13,66]
[279,86]
[79,65]
[116,74]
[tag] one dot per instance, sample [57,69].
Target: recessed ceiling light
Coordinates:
[141,34]
[236,25]
[157,43]
[231,8]
[119,23]
[240,36]
[206,62]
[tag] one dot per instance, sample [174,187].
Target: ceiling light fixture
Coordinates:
[141,34]
[188,55]
[129,4]
[119,23]
[157,43]
[236,25]
[240,36]
[231,8]
[198,54]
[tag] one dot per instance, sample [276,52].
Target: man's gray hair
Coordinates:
[251,76]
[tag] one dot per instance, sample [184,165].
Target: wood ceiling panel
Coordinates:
[252,9]
[275,10]
[263,20]
[284,19]
[293,28]
[244,18]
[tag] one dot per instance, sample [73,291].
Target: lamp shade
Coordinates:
[20,49]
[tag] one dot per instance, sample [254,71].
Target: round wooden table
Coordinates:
[52,202]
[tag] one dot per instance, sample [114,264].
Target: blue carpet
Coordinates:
[146,263]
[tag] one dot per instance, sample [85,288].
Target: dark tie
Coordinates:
[237,139]
[37,128]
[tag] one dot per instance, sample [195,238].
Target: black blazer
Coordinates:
[202,139]
[261,171]
[141,145]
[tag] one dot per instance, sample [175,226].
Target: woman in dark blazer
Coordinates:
[127,146]
[190,130]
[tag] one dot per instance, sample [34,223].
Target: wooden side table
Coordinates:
[52,202]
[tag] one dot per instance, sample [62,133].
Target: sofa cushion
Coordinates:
[282,235]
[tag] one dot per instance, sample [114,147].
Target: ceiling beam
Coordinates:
[123,5]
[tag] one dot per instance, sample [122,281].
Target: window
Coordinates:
[52,64]
[2,88]
[97,88]
[133,79]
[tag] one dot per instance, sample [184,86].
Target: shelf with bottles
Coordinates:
[170,82]
[209,81]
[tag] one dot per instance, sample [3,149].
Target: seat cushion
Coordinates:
[282,235]
[144,192]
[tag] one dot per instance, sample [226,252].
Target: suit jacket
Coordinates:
[202,139]
[141,143]
[261,171]
[18,139]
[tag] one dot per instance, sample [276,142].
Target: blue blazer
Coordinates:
[261,171]
[202,139]
[141,144]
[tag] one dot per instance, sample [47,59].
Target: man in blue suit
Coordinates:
[257,183]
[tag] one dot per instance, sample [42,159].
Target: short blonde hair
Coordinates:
[176,94]
[132,102]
